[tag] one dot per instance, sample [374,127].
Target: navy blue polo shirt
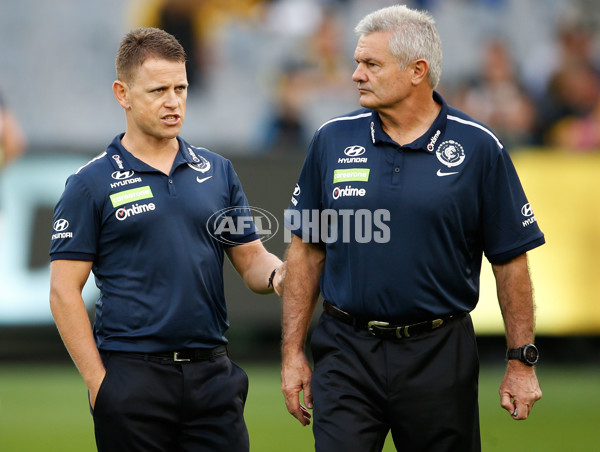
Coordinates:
[157,252]
[405,227]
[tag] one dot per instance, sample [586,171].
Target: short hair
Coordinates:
[415,36]
[143,43]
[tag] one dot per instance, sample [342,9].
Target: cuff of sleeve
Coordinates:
[72,256]
[241,240]
[511,254]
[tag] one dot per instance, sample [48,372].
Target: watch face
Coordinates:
[531,354]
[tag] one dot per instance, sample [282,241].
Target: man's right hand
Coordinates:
[295,377]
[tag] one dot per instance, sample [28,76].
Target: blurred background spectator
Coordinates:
[568,84]
[195,23]
[12,146]
[313,78]
[12,138]
[284,127]
[570,114]
[496,96]
[181,18]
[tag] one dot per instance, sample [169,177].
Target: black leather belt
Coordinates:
[386,329]
[184,356]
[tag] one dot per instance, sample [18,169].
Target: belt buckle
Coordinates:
[177,359]
[375,323]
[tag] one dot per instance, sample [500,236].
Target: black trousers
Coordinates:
[148,406]
[424,389]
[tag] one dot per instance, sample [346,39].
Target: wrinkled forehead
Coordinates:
[374,45]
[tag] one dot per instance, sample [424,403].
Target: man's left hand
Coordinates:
[519,390]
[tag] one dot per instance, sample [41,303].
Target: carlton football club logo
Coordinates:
[202,167]
[200,163]
[450,153]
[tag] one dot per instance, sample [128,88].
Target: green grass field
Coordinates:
[44,408]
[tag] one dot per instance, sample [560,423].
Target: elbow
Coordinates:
[55,300]
[59,301]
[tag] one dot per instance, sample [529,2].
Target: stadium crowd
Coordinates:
[538,92]
[280,68]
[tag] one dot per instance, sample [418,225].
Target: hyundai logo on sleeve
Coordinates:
[61,225]
[526,210]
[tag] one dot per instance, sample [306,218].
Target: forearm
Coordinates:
[75,330]
[258,274]
[305,263]
[515,297]
[67,279]
[255,265]
[519,389]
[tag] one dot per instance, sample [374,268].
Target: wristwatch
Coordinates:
[527,354]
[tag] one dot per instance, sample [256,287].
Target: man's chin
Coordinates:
[172,132]
[365,103]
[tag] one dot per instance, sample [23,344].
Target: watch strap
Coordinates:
[515,353]
[271,277]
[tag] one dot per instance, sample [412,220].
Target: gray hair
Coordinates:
[415,37]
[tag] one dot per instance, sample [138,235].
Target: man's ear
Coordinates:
[121,91]
[420,70]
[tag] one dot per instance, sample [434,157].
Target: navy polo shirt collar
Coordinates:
[425,142]
[123,160]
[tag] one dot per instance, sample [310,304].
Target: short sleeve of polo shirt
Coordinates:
[306,199]
[239,213]
[509,226]
[78,213]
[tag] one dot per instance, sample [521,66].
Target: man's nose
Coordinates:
[358,75]
[171,99]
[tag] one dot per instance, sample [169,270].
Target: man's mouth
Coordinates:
[171,119]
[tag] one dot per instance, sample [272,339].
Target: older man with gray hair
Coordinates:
[395,347]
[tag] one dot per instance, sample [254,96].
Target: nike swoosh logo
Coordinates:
[439,173]
[203,179]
